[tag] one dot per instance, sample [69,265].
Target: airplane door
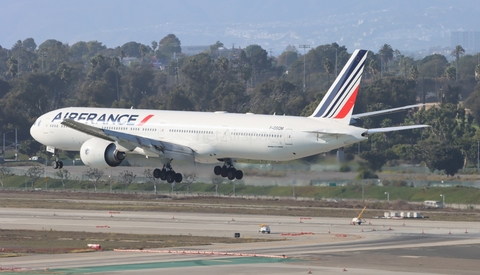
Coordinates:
[161,129]
[288,137]
[225,133]
[46,125]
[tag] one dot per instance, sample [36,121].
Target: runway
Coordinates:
[316,245]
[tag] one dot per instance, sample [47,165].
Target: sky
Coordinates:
[273,24]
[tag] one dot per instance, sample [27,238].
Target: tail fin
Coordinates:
[338,103]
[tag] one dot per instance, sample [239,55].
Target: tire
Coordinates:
[217,170]
[60,165]
[170,177]
[178,177]
[156,173]
[55,165]
[224,172]
[163,174]
[239,174]
[231,173]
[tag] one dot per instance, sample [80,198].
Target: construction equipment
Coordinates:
[359,219]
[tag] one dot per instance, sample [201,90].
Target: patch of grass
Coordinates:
[14,242]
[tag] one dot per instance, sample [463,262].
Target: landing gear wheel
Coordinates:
[224,172]
[60,165]
[239,174]
[217,170]
[55,164]
[170,176]
[163,174]
[178,177]
[156,173]
[231,173]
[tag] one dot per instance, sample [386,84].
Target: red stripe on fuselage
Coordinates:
[348,105]
[145,120]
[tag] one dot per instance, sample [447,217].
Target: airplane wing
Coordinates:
[388,111]
[391,129]
[132,142]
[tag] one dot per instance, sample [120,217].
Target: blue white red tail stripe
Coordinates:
[339,101]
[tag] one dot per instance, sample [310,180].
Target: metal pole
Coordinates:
[304,47]
[16,146]
[336,62]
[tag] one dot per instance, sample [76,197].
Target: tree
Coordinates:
[386,54]
[376,159]
[34,173]
[127,178]
[131,49]
[64,175]
[29,44]
[432,66]
[149,175]
[169,45]
[477,72]
[154,45]
[188,179]
[414,73]
[4,173]
[328,68]
[12,64]
[144,50]
[94,175]
[216,46]
[441,156]
[373,66]
[450,73]
[457,52]
[452,94]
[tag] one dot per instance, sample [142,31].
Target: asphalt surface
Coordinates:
[327,245]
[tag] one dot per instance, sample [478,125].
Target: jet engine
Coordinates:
[101,153]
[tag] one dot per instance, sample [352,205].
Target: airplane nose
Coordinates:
[35,129]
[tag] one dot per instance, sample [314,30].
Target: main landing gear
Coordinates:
[167,173]
[228,171]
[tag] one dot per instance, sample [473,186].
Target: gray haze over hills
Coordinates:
[409,26]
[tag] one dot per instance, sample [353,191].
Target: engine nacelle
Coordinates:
[101,153]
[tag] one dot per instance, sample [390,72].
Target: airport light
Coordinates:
[443,196]
[388,196]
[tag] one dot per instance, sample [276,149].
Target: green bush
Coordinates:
[345,168]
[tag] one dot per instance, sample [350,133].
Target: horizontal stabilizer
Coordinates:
[392,129]
[388,111]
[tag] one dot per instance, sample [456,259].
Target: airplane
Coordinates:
[106,137]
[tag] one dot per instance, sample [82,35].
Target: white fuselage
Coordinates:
[211,136]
